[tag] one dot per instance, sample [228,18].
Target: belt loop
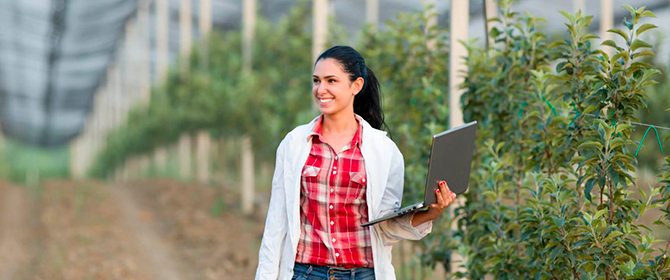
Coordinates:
[309,269]
[353,274]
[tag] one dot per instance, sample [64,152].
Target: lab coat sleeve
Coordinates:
[275,231]
[399,228]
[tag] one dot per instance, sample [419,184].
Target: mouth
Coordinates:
[324,101]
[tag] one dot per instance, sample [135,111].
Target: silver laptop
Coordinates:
[450,159]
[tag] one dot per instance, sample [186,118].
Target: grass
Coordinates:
[22,163]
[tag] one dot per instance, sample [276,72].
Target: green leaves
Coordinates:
[645,27]
[563,181]
[620,33]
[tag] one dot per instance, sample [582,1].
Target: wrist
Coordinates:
[421,217]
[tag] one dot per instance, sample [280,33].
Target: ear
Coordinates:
[357,85]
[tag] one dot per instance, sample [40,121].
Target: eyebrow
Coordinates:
[326,77]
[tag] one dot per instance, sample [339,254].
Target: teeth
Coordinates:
[325,100]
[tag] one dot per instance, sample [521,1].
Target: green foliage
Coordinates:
[552,196]
[553,192]
[19,161]
[655,113]
[414,81]
[214,94]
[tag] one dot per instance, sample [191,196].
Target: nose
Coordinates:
[320,89]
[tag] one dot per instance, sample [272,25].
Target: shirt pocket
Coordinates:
[309,179]
[358,182]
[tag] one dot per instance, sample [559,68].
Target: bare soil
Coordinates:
[152,229]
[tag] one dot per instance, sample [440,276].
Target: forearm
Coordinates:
[421,217]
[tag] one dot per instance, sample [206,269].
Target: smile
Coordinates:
[324,101]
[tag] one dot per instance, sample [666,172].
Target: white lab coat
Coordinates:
[384,166]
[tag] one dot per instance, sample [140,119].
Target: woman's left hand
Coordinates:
[444,198]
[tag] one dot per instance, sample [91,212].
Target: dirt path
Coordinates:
[14,214]
[157,256]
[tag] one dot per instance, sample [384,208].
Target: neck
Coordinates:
[342,123]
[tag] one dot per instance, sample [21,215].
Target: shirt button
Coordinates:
[337,255]
[334,172]
[363,180]
[331,206]
[333,240]
[335,157]
[332,223]
[334,167]
[331,189]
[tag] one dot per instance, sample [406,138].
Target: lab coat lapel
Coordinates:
[377,166]
[292,184]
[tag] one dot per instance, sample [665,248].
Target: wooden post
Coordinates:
[248,27]
[205,28]
[578,5]
[75,152]
[185,27]
[490,11]
[431,16]
[320,24]
[247,170]
[144,52]
[372,13]
[202,154]
[459,32]
[247,175]
[162,25]
[184,146]
[185,157]
[162,57]
[205,17]
[606,23]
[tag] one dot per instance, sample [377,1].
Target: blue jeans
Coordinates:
[317,272]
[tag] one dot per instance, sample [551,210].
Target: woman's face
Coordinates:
[333,91]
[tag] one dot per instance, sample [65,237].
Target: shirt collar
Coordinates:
[316,131]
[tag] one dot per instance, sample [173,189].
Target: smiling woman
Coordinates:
[334,174]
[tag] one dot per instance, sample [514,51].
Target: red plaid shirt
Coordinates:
[333,205]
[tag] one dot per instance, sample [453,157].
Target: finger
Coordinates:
[446,193]
[440,199]
[447,189]
[451,199]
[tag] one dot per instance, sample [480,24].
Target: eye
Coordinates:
[315,80]
[331,80]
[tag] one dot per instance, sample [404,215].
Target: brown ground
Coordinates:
[153,229]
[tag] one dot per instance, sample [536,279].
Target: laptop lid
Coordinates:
[450,160]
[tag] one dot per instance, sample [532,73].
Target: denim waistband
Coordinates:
[330,272]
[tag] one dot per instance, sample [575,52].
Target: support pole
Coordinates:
[162,57]
[202,155]
[490,11]
[185,37]
[162,25]
[184,147]
[606,22]
[247,170]
[320,24]
[431,22]
[578,5]
[248,27]
[372,13]
[247,175]
[459,32]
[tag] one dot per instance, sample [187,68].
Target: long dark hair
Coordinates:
[367,102]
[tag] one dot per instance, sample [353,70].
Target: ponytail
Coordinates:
[367,102]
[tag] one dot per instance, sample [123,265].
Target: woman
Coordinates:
[334,174]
